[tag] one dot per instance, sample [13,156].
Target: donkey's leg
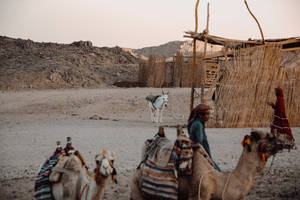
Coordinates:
[151,111]
[156,115]
[160,113]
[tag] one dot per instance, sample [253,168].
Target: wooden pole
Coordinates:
[203,77]
[261,33]
[194,58]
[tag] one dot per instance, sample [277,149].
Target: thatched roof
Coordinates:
[288,43]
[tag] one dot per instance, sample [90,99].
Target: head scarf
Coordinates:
[201,108]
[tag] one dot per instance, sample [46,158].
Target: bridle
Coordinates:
[111,164]
[266,146]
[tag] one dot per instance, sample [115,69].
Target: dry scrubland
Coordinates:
[32,121]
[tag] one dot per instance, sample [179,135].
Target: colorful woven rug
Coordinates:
[42,188]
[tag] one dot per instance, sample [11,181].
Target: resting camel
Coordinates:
[207,183]
[77,183]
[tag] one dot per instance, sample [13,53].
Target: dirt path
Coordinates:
[31,122]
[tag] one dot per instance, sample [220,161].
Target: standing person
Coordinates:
[196,127]
[280,122]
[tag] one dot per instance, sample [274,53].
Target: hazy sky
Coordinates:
[141,23]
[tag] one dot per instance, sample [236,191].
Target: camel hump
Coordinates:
[55,175]
[152,98]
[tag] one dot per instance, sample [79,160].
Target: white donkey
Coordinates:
[156,105]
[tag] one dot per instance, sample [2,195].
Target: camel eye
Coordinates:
[271,139]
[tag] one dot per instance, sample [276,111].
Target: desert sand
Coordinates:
[32,121]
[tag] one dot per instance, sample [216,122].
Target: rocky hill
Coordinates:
[169,49]
[27,64]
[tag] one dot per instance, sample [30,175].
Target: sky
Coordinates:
[143,23]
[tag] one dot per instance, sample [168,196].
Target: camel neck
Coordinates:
[92,189]
[100,185]
[247,168]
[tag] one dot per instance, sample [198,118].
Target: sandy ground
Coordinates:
[32,121]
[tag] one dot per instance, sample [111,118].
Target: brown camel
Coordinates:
[207,183]
[77,183]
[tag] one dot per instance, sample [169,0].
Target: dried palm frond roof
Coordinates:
[288,43]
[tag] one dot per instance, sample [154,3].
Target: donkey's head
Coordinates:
[105,164]
[164,97]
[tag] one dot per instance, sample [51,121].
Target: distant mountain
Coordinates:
[169,49]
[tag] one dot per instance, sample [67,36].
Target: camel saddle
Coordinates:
[158,170]
[164,160]
[55,175]
[59,168]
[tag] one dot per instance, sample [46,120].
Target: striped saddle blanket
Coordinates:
[42,188]
[164,160]
[159,182]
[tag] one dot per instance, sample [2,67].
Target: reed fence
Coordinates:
[248,84]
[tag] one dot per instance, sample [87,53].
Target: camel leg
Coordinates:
[208,188]
[136,193]
[61,191]
[57,191]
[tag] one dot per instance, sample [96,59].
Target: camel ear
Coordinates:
[255,135]
[271,137]
[98,158]
[104,153]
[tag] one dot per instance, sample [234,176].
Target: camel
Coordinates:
[207,183]
[77,183]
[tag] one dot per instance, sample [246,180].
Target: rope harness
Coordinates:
[82,191]
[226,184]
[200,182]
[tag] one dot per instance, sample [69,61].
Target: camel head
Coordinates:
[105,164]
[264,143]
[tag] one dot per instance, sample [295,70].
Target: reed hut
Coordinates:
[251,71]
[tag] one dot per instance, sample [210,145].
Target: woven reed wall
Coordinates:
[182,76]
[291,86]
[248,84]
[156,72]
[153,72]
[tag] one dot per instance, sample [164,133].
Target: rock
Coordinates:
[96,117]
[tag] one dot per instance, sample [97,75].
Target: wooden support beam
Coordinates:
[203,71]
[261,32]
[194,58]
[290,49]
